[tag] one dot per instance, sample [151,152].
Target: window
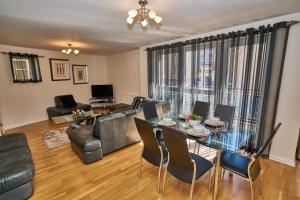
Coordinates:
[25,68]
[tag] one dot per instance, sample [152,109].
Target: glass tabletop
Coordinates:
[217,139]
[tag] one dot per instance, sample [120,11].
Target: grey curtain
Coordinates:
[271,91]
[240,68]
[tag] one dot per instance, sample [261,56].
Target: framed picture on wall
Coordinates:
[60,69]
[80,74]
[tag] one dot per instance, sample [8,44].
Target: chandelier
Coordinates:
[143,16]
[70,50]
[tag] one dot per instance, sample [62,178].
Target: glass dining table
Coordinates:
[218,139]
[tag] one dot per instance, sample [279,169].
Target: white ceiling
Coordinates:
[99,26]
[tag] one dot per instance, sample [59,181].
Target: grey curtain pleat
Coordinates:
[242,69]
[277,50]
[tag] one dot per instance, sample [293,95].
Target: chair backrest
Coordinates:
[201,108]
[165,107]
[59,100]
[111,130]
[151,151]
[225,113]
[137,102]
[150,111]
[268,141]
[180,163]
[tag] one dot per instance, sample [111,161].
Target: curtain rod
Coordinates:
[20,53]
[215,37]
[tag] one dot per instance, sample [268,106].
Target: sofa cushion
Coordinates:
[84,138]
[15,174]
[235,162]
[13,141]
[68,101]
[16,166]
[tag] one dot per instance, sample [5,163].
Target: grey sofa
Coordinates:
[64,105]
[16,167]
[109,133]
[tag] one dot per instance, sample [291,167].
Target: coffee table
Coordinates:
[69,118]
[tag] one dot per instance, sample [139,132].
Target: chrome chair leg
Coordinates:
[192,189]
[141,161]
[158,181]
[252,192]
[223,174]
[165,174]
[195,147]
[209,181]
[164,182]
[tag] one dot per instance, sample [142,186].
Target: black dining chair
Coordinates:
[225,113]
[201,108]
[149,109]
[182,164]
[151,151]
[247,168]
[150,112]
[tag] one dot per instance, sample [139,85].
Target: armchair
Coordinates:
[64,105]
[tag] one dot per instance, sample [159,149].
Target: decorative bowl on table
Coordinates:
[78,115]
[167,122]
[198,131]
[214,121]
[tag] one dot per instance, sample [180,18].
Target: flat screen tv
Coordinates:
[102,91]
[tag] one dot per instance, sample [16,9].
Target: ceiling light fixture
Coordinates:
[70,50]
[143,16]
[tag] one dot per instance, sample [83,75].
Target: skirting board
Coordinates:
[24,123]
[282,160]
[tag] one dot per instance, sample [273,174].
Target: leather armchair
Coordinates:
[61,109]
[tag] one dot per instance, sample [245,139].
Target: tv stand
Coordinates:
[101,102]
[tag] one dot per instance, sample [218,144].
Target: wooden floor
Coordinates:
[61,175]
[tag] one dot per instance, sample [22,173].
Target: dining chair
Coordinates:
[182,164]
[151,151]
[149,109]
[201,108]
[225,113]
[165,108]
[150,112]
[247,168]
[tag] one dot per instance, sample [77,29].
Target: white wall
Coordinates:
[124,74]
[23,103]
[284,144]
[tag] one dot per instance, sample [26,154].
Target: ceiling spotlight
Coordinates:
[129,20]
[70,50]
[132,13]
[144,16]
[76,51]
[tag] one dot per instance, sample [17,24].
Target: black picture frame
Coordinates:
[66,69]
[32,68]
[84,73]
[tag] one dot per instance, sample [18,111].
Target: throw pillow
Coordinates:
[68,101]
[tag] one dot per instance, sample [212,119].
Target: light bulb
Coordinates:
[63,51]
[132,13]
[76,51]
[69,50]
[129,20]
[152,14]
[144,23]
[157,19]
